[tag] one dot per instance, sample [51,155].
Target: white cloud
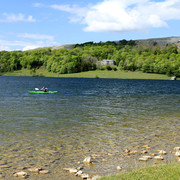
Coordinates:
[16,18]
[25,44]
[36,36]
[75,10]
[30,47]
[124,15]
[38,5]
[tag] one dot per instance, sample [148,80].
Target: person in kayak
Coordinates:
[44,89]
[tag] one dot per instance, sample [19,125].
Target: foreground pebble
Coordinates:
[88,160]
[20,174]
[158,158]
[162,152]
[44,172]
[177,154]
[143,159]
[34,170]
[119,168]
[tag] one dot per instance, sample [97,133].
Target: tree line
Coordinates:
[87,56]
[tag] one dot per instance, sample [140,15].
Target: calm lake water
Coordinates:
[85,117]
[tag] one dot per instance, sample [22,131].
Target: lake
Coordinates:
[85,117]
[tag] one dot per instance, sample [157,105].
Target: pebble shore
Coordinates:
[144,154]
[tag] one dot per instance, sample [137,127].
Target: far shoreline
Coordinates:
[89,74]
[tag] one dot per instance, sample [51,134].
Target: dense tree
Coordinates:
[151,58]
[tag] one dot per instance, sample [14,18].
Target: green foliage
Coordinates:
[85,57]
[160,172]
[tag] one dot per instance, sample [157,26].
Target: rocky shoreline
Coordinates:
[142,154]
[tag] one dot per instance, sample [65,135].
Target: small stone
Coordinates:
[144,152]
[127,151]
[152,154]
[158,158]
[104,160]
[85,176]
[73,170]
[143,159]
[119,168]
[148,157]
[34,170]
[79,173]
[21,174]
[80,168]
[133,152]
[87,160]
[161,152]
[177,154]
[177,148]
[44,171]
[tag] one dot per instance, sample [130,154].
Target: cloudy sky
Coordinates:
[41,23]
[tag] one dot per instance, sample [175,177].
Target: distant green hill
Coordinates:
[152,41]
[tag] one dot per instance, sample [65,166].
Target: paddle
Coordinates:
[37,89]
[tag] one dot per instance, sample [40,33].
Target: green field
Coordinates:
[156,172]
[89,74]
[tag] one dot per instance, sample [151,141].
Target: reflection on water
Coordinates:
[87,116]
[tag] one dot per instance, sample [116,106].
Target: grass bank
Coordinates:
[89,74]
[156,172]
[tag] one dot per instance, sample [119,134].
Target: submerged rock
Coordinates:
[20,174]
[85,176]
[177,154]
[162,152]
[133,152]
[148,157]
[158,158]
[79,173]
[34,170]
[88,160]
[71,170]
[127,151]
[144,152]
[152,154]
[143,159]
[119,168]
[44,171]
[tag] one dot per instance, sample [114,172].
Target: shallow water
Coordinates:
[86,116]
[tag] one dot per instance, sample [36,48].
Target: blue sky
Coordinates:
[42,23]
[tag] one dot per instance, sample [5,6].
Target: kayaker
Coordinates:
[44,89]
